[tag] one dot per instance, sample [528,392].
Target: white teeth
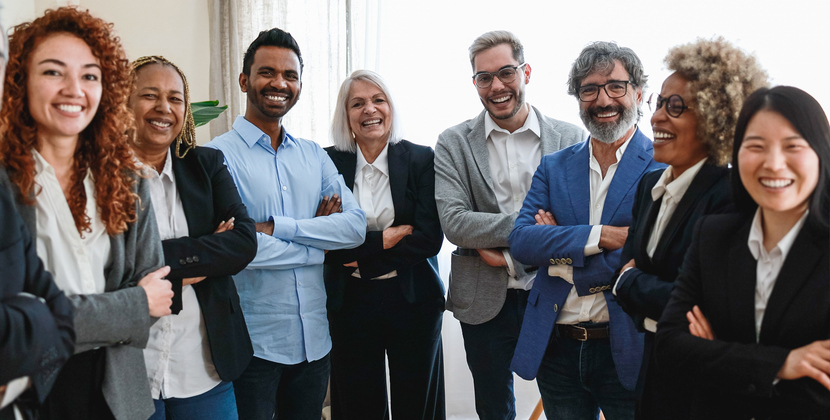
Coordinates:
[776,183]
[370,122]
[160,124]
[607,114]
[70,108]
[500,100]
[275,98]
[662,135]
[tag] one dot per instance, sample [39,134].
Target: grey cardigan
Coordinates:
[470,214]
[118,319]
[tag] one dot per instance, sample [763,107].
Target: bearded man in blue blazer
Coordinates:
[583,350]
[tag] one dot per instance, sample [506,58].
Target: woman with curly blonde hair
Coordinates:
[693,123]
[65,157]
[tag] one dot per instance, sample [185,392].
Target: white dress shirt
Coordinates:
[590,308]
[77,261]
[513,159]
[374,196]
[177,357]
[769,263]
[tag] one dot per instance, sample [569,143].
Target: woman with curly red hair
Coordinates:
[65,157]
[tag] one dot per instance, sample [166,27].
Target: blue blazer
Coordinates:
[561,186]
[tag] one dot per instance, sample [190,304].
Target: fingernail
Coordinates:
[231,219]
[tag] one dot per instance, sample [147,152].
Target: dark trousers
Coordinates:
[376,322]
[77,393]
[489,347]
[267,390]
[663,395]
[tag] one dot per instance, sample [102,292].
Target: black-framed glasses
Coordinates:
[674,104]
[614,89]
[506,74]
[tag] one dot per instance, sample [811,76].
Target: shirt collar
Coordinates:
[167,171]
[381,163]
[41,165]
[251,134]
[531,123]
[675,186]
[756,237]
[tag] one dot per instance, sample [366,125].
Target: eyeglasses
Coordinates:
[674,104]
[614,89]
[506,74]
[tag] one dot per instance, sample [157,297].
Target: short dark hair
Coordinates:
[274,37]
[809,119]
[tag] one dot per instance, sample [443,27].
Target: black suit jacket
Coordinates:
[209,196]
[412,181]
[734,374]
[36,337]
[645,290]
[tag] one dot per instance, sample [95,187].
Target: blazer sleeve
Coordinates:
[424,242]
[122,316]
[741,368]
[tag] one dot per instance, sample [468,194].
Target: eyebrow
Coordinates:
[62,64]
[155,89]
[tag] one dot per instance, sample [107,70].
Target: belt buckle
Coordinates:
[584,333]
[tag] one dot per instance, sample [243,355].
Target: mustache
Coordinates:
[267,91]
[596,110]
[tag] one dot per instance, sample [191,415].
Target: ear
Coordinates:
[639,95]
[243,82]
[527,73]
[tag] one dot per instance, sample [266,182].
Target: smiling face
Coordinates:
[158,105]
[675,139]
[273,87]
[64,86]
[504,102]
[370,116]
[777,166]
[610,119]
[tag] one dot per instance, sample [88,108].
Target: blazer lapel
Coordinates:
[645,230]
[398,158]
[478,144]
[740,285]
[578,183]
[634,161]
[549,137]
[346,162]
[197,211]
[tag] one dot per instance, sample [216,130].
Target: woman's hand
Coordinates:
[393,235]
[699,325]
[328,206]
[630,264]
[812,361]
[159,292]
[351,264]
[223,227]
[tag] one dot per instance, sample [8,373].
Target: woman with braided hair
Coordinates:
[207,236]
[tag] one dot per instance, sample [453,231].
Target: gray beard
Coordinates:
[611,131]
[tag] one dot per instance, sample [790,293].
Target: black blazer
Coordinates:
[734,374]
[645,290]
[36,337]
[209,196]
[412,181]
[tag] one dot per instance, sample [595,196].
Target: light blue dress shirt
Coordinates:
[282,292]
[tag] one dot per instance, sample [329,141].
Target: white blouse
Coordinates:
[374,196]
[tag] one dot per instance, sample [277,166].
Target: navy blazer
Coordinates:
[734,375]
[412,181]
[36,337]
[645,290]
[209,196]
[561,185]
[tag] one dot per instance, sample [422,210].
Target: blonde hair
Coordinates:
[341,133]
[721,76]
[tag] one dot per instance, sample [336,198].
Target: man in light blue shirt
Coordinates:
[282,180]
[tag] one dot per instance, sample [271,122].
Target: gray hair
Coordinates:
[600,56]
[341,133]
[494,38]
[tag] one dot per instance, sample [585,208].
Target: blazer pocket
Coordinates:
[464,274]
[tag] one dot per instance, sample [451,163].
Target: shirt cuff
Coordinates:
[13,390]
[511,271]
[592,247]
[285,228]
[617,284]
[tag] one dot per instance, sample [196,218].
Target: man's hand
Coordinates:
[159,292]
[328,206]
[492,257]
[266,227]
[613,238]
[351,264]
[698,324]
[545,218]
[812,360]
[392,235]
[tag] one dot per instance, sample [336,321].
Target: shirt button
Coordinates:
[284,188]
[597,206]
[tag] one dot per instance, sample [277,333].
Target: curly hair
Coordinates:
[721,76]
[102,145]
[188,134]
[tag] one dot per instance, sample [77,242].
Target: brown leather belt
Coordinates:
[576,332]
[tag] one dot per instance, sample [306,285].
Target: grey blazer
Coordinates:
[470,214]
[118,319]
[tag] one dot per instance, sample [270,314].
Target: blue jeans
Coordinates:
[489,347]
[578,378]
[269,390]
[218,403]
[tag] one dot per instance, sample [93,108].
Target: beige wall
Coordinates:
[177,29]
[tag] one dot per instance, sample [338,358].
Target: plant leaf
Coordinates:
[205,111]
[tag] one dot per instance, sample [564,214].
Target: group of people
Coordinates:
[147,277]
